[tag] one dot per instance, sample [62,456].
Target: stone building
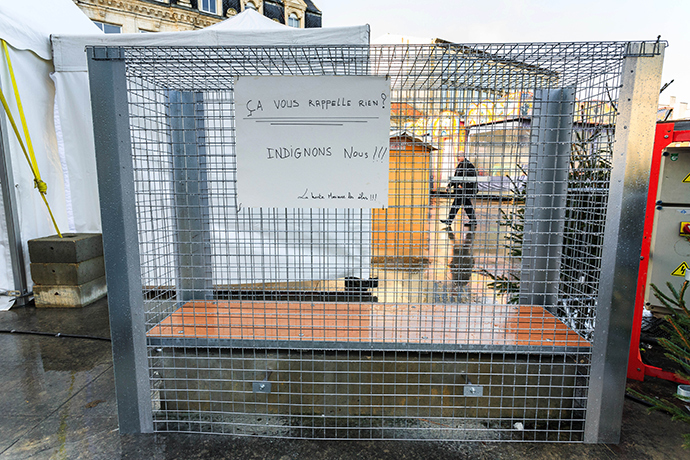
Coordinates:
[132,16]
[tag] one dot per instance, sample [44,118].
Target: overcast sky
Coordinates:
[472,21]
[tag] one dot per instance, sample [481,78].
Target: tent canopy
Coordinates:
[248,20]
[248,28]
[27,25]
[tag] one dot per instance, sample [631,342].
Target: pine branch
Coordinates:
[663,298]
[663,405]
[677,346]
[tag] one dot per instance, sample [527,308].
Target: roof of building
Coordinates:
[407,137]
[311,7]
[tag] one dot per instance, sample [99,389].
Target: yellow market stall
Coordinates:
[400,234]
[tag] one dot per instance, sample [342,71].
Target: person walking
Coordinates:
[463,192]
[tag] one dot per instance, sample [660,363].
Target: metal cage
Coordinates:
[502,324]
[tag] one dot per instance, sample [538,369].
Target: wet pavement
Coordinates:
[58,402]
[456,260]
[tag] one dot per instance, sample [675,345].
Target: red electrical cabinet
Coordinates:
[665,251]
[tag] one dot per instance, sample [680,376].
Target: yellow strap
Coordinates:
[30,156]
[14,126]
[22,118]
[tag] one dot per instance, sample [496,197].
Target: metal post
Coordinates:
[9,200]
[547,187]
[193,234]
[120,239]
[634,139]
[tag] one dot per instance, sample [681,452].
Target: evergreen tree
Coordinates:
[677,349]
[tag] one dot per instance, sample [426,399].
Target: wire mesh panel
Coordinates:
[462,310]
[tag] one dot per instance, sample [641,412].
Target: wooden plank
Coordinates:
[387,323]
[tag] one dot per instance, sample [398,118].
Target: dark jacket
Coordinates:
[459,187]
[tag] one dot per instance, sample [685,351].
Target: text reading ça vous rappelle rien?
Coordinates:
[323,104]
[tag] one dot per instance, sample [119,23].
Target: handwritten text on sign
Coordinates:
[312,142]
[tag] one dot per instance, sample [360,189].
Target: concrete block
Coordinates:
[47,296]
[71,248]
[68,273]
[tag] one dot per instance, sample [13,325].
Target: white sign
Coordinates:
[312,141]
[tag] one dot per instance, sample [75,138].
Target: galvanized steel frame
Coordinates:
[632,159]
[606,389]
[547,185]
[120,240]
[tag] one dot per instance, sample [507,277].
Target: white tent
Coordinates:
[47,41]
[26,27]
[394,39]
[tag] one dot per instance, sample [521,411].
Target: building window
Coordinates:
[250,6]
[209,6]
[108,28]
[293,20]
